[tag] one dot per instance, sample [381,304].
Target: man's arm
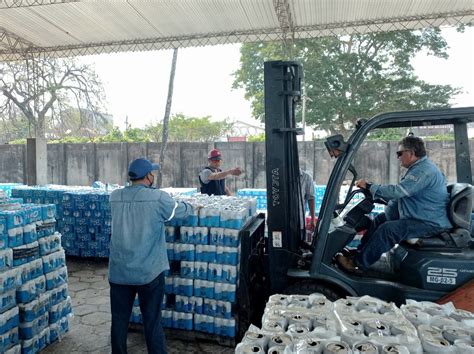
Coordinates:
[223,174]
[413,182]
[311,212]
[169,208]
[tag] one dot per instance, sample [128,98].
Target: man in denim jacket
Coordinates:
[138,257]
[417,207]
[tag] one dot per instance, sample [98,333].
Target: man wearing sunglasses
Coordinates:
[417,207]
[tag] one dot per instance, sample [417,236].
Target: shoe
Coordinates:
[347,264]
[349,252]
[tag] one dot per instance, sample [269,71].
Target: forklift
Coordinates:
[419,269]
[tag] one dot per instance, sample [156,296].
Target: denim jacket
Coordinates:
[138,246]
[420,195]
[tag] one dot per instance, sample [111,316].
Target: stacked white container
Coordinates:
[313,324]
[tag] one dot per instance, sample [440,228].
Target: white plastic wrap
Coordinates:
[297,331]
[436,345]
[281,339]
[451,334]
[309,346]
[247,348]
[464,347]
[395,349]
[300,320]
[278,299]
[366,325]
[272,327]
[255,336]
[278,349]
[364,347]
[336,347]
[370,319]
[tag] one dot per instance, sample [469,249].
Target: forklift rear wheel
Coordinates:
[307,288]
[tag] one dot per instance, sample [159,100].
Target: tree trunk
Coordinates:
[166,118]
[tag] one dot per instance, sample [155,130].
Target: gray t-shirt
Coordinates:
[205,173]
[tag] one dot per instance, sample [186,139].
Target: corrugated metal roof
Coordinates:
[70,27]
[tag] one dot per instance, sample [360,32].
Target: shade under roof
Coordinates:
[81,27]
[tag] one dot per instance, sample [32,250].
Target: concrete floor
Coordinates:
[90,327]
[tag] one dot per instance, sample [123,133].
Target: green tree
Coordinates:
[256,138]
[351,77]
[13,124]
[42,88]
[184,128]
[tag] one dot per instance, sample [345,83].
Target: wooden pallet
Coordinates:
[189,336]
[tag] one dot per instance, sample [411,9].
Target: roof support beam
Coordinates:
[285,19]
[13,43]
[8,4]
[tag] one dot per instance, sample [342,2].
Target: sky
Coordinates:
[136,84]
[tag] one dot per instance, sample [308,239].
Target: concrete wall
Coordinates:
[82,164]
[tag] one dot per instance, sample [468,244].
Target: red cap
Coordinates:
[214,155]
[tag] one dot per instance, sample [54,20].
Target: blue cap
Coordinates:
[140,167]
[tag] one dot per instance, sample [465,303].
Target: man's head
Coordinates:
[214,158]
[141,170]
[410,150]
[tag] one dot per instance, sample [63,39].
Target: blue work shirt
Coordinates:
[421,195]
[138,245]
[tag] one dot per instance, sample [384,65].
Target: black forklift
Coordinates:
[422,269]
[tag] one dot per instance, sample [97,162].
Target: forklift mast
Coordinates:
[282,93]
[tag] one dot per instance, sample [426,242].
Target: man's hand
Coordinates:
[361,183]
[236,171]
[311,225]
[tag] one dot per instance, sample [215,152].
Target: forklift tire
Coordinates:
[308,287]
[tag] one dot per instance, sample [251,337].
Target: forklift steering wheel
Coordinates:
[368,196]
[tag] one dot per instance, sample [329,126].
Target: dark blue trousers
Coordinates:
[121,302]
[383,234]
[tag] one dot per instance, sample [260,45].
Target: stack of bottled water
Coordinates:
[86,222]
[83,216]
[7,188]
[204,255]
[261,196]
[258,193]
[34,304]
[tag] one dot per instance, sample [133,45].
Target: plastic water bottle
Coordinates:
[201,269]
[197,303]
[186,287]
[197,288]
[219,291]
[218,327]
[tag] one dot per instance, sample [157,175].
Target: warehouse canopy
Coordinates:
[81,27]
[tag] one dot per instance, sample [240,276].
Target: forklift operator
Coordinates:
[212,178]
[417,207]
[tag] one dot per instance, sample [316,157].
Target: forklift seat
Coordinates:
[459,213]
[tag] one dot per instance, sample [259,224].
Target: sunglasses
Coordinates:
[400,153]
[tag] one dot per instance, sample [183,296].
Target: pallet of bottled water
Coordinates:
[35,308]
[8,187]
[204,255]
[260,194]
[313,324]
[83,216]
